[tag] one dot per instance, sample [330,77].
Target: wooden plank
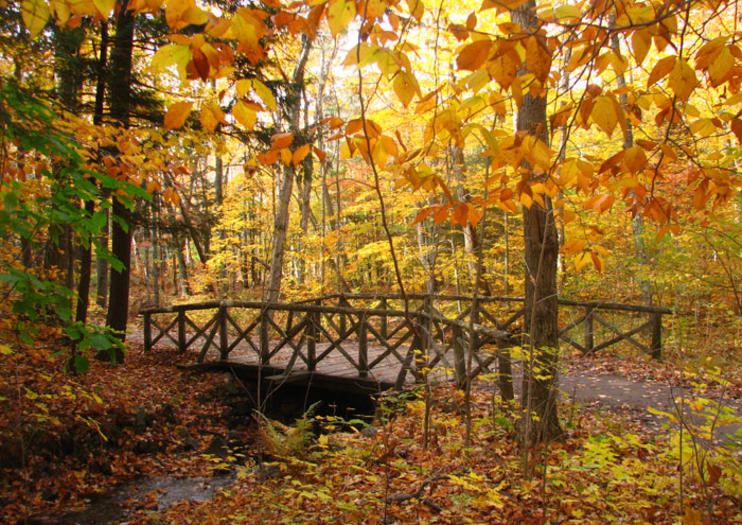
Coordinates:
[626,336]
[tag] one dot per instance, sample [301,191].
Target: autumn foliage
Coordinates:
[279,150]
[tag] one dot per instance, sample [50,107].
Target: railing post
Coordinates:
[223,341]
[589,331]
[384,319]
[343,319]
[362,347]
[181,331]
[147,332]
[656,344]
[459,358]
[312,333]
[264,348]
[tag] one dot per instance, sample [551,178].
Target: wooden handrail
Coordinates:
[300,305]
[318,320]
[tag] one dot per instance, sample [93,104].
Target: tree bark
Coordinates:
[281,223]
[540,423]
[120,100]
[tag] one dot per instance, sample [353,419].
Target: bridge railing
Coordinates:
[367,332]
[587,326]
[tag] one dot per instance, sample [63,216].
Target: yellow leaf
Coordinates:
[169,55]
[339,15]
[604,114]
[286,156]
[174,11]
[244,31]
[567,12]
[5,350]
[265,94]
[721,67]
[242,86]
[417,8]
[405,86]
[177,114]
[300,154]
[211,116]
[582,260]
[710,51]
[641,41]
[35,14]
[683,79]
[195,16]
[244,114]
[60,11]
[105,7]
[171,196]
[153,186]
[474,55]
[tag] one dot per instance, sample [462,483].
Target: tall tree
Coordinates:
[292,113]
[541,257]
[120,99]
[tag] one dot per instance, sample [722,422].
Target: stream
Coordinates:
[113,508]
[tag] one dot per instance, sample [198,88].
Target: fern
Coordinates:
[287,440]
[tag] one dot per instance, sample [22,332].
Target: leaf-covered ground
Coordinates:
[65,441]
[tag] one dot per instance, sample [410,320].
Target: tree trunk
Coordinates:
[83,285]
[281,223]
[101,265]
[120,95]
[280,230]
[540,423]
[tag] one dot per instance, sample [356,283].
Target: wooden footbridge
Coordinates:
[371,342]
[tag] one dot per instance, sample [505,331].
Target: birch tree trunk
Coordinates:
[281,223]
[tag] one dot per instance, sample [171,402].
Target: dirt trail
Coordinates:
[618,392]
[587,382]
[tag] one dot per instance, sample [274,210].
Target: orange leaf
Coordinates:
[441,214]
[177,114]
[300,154]
[321,155]
[538,57]
[661,69]
[282,140]
[422,215]
[474,55]
[634,159]
[737,129]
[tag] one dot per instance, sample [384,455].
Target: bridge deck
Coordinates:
[383,375]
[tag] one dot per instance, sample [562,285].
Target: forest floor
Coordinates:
[146,442]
